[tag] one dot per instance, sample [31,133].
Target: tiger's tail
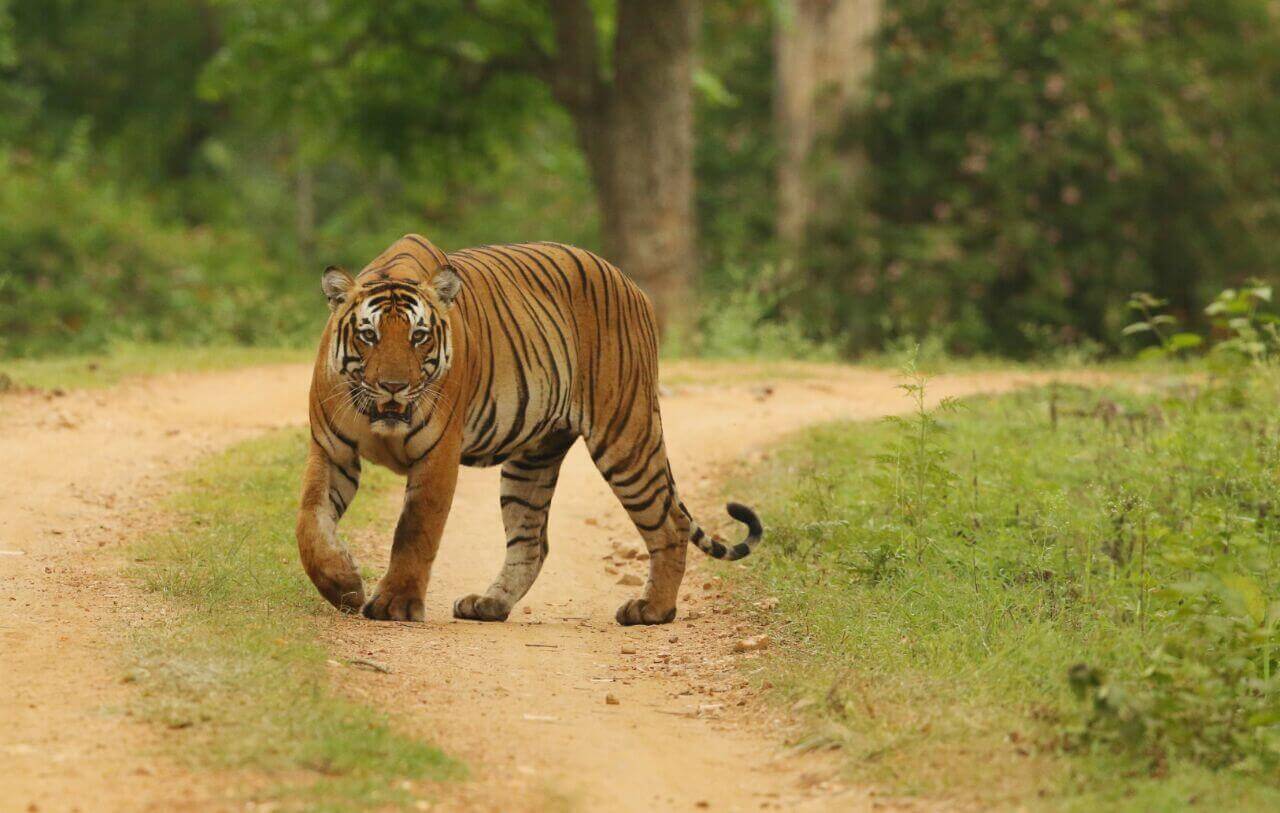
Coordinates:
[716,547]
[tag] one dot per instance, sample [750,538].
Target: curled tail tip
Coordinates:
[717,549]
[747,517]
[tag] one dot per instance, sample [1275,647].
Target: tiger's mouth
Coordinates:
[391,413]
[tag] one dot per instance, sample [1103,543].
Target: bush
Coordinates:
[82,264]
[1030,163]
[746,317]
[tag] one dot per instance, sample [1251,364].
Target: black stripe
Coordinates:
[508,499]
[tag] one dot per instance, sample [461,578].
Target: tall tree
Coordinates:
[412,76]
[636,129]
[824,53]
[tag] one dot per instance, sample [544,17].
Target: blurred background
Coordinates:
[830,178]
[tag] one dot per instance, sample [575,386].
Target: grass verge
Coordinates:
[236,670]
[1058,598]
[125,360]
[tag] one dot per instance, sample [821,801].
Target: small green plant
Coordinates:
[1209,689]
[914,466]
[875,564]
[1170,343]
[1253,334]
[815,504]
[927,353]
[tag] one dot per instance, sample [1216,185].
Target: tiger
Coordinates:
[501,355]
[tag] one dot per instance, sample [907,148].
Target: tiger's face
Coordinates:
[391,342]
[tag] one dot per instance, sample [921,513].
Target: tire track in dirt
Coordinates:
[522,702]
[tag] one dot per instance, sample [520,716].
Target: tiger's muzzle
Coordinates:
[394,407]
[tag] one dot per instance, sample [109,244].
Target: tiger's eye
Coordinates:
[368,336]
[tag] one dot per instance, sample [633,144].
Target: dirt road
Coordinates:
[523,703]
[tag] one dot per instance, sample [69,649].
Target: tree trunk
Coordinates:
[823,55]
[636,130]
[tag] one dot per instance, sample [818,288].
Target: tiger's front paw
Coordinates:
[640,611]
[480,608]
[395,604]
[344,591]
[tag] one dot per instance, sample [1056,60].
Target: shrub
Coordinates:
[1030,163]
[745,316]
[82,264]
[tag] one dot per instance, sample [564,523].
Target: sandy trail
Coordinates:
[523,703]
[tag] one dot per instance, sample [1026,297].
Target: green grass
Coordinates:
[125,360]
[937,577]
[237,667]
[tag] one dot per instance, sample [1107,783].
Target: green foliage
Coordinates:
[735,144]
[914,466]
[745,316]
[1248,330]
[1209,690]
[407,117]
[1160,325]
[441,80]
[18,101]
[1025,164]
[1029,163]
[127,72]
[1253,333]
[1093,570]
[84,264]
[161,167]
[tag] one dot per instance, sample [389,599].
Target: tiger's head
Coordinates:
[391,341]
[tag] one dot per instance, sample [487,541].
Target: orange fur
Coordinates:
[486,356]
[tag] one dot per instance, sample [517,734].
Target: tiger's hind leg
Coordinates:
[640,477]
[528,483]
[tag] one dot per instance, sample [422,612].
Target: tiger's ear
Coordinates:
[336,284]
[447,285]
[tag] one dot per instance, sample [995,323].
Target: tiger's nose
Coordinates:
[393,387]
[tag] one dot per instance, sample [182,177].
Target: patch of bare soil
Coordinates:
[557,708]
[81,475]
